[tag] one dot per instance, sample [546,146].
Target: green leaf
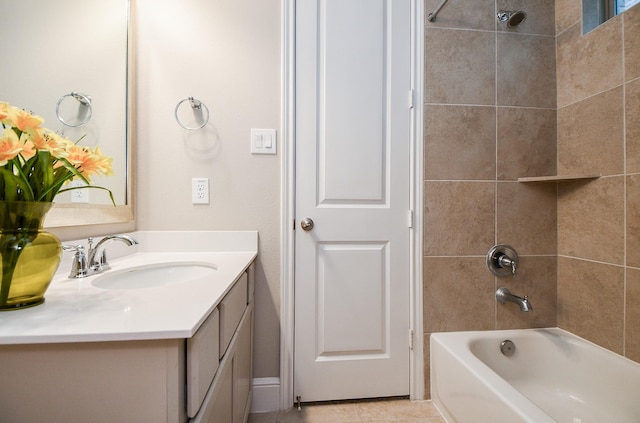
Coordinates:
[13,184]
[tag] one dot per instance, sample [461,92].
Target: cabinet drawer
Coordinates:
[202,361]
[231,310]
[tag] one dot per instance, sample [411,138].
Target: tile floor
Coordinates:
[378,411]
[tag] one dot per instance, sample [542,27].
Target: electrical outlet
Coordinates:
[200,190]
[79,195]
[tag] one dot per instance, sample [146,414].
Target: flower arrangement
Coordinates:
[36,163]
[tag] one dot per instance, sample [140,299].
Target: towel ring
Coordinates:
[196,106]
[84,100]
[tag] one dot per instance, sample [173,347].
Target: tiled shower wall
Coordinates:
[599,220]
[489,118]
[495,110]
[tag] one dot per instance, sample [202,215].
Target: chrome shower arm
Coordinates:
[432,16]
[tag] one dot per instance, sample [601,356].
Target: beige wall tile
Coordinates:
[632,315]
[459,67]
[527,217]
[568,13]
[459,294]
[426,353]
[467,14]
[631,20]
[633,220]
[591,219]
[459,218]
[526,142]
[590,135]
[632,123]
[536,278]
[526,70]
[588,64]
[540,16]
[464,150]
[591,301]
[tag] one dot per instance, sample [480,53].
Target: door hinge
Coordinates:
[411,98]
[411,339]
[410,219]
[294,224]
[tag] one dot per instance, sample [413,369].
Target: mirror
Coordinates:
[596,12]
[68,61]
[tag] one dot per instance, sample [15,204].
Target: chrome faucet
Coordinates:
[95,259]
[503,295]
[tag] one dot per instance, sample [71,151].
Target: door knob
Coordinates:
[306,224]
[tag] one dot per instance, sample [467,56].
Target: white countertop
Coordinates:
[76,311]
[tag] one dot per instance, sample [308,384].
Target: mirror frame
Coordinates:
[64,215]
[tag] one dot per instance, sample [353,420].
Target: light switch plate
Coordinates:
[263,141]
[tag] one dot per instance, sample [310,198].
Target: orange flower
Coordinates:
[45,140]
[101,163]
[28,149]
[6,111]
[10,146]
[21,140]
[88,161]
[25,121]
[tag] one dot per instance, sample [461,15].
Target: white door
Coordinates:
[352,276]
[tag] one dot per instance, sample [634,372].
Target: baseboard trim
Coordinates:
[266,395]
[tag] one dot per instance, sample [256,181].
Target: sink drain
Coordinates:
[507,347]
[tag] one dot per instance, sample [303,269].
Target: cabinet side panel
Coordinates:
[96,382]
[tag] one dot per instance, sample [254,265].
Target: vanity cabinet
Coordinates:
[205,378]
[228,400]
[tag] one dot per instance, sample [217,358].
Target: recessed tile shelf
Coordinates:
[556,178]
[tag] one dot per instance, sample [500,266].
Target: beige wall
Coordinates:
[227,54]
[599,221]
[490,100]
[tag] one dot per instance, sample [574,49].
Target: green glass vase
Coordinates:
[30,256]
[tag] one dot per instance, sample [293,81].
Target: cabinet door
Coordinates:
[242,372]
[202,361]
[231,310]
[218,408]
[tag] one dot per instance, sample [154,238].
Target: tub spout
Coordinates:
[503,295]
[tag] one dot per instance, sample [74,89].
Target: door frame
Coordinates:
[287,240]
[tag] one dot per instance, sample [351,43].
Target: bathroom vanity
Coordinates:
[174,351]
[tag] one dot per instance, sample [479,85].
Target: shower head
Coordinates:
[513,18]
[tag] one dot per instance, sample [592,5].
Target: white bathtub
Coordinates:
[553,376]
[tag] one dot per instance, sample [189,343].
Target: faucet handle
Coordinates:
[80,265]
[102,262]
[502,260]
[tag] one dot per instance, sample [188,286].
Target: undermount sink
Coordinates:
[154,275]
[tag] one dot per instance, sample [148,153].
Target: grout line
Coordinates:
[592,95]
[488,105]
[591,260]
[624,191]
[453,28]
